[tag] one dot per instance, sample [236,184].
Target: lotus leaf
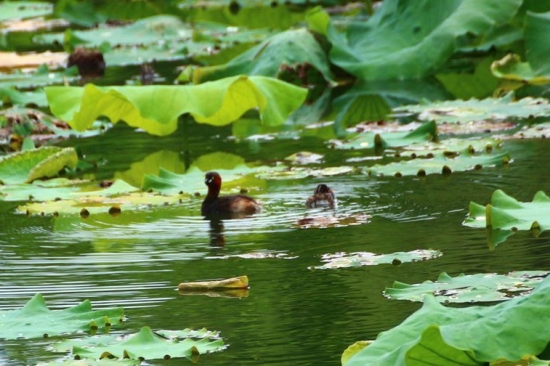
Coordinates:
[42,76]
[15,97]
[423,133]
[88,362]
[471,288]
[344,260]
[145,345]
[286,49]
[34,164]
[439,162]
[476,335]
[465,111]
[156,108]
[36,320]
[449,147]
[538,131]
[405,40]
[536,70]
[506,213]
[480,84]
[23,9]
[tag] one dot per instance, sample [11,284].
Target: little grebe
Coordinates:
[322,197]
[233,206]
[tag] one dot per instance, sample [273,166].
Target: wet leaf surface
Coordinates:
[359,259]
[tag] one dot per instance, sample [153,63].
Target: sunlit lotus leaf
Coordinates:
[42,190]
[450,148]
[538,131]
[42,76]
[305,157]
[474,335]
[345,260]
[465,111]
[472,288]
[476,127]
[440,163]
[369,140]
[285,49]
[506,213]
[36,320]
[255,255]
[156,108]
[90,362]
[298,172]
[23,9]
[107,200]
[11,60]
[145,345]
[29,165]
[352,350]
[405,40]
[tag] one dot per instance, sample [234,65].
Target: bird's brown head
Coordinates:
[212,179]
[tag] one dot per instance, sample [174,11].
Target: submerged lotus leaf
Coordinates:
[440,163]
[409,40]
[156,108]
[286,49]
[29,165]
[474,335]
[36,320]
[506,213]
[369,140]
[144,345]
[465,111]
[471,288]
[345,260]
[23,9]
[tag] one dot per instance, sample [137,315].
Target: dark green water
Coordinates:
[292,315]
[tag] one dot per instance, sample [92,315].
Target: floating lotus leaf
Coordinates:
[144,345]
[450,148]
[36,320]
[15,97]
[340,220]
[29,165]
[89,362]
[471,288]
[42,76]
[344,260]
[475,335]
[505,215]
[465,111]
[369,140]
[23,9]
[405,40]
[156,108]
[440,163]
[538,131]
[289,48]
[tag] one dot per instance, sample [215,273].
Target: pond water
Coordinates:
[293,315]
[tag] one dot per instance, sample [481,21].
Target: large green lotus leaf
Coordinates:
[23,9]
[292,47]
[145,345]
[480,84]
[51,189]
[369,140]
[156,108]
[439,162]
[465,111]
[405,40]
[13,96]
[35,320]
[344,260]
[29,165]
[472,288]
[474,335]
[506,213]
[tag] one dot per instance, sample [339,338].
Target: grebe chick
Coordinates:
[235,205]
[322,197]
